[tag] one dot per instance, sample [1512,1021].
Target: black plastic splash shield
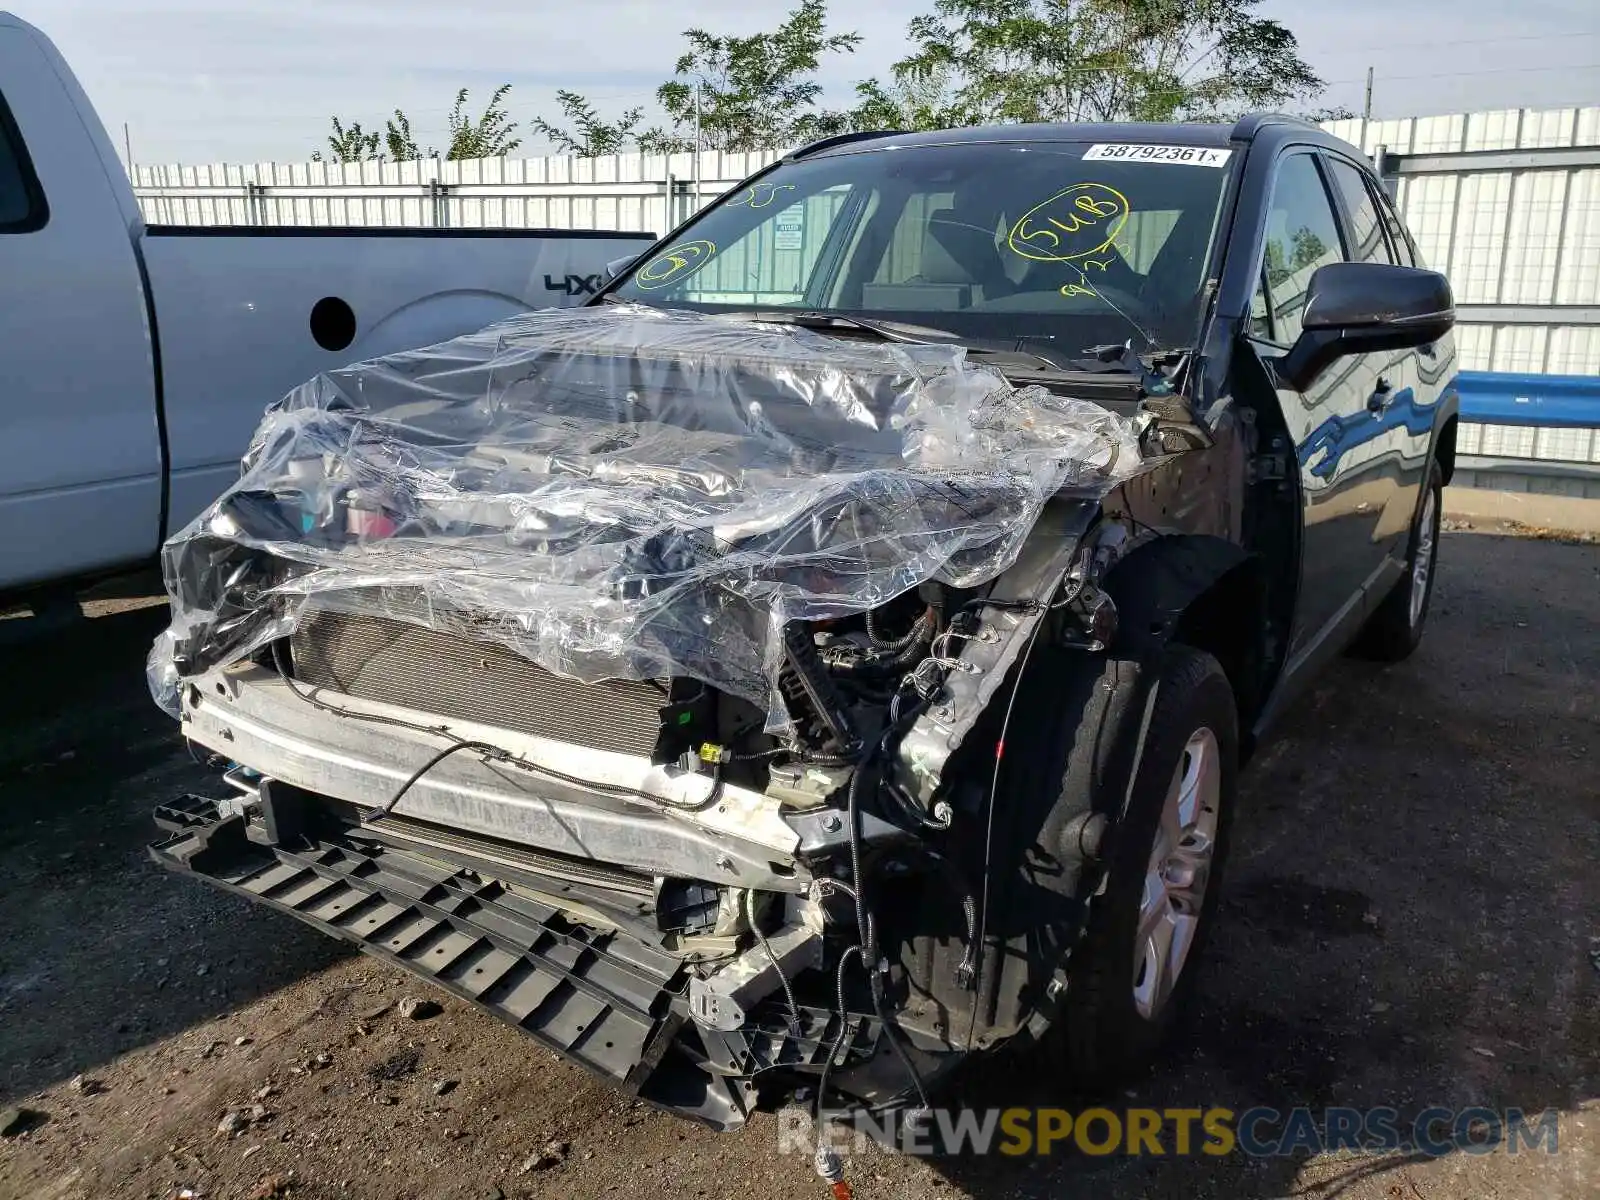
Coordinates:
[604,998]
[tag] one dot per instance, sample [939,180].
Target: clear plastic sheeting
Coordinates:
[621,492]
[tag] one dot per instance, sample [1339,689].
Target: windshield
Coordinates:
[1064,242]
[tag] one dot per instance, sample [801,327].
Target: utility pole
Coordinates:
[127,148]
[696,201]
[1366,111]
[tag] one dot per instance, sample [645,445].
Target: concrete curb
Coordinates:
[1526,508]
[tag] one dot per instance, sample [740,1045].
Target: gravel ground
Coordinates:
[1412,918]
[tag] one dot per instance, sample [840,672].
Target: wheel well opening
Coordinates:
[1228,621]
[1444,452]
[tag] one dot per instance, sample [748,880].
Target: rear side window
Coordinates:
[1367,242]
[1405,250]
[22,207]
[1302,235]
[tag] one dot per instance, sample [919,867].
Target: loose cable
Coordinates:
[788,991]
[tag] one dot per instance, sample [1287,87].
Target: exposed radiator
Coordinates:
[452,676]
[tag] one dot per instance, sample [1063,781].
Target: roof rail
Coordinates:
[839,139]
[1247,126]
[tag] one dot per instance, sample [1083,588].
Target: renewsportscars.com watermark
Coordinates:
[1257,1132]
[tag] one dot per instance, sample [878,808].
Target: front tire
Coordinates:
[1134,972]
[1395,628]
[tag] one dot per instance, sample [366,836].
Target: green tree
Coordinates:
[398,141]
[1077,60]
[585,134]
[742,93]
[911,101]
[486,136]
[760,91]
[349,144]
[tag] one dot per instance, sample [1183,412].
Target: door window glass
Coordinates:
[1367,242]
[1302,235]
[1260,321]
[1405,249]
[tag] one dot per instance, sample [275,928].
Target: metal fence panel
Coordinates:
[628,192]
[1507,203]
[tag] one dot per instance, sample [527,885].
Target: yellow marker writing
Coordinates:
[674,263]
[759,195]
[1076,223]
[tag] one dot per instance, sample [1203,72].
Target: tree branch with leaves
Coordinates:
[740,93]
[348,144]
[586,134]
[486,136]
[1102,60]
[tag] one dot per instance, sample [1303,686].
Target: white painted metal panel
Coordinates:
[1574,351]
[235,318]
[1477,247]
[1473,344]
[1534,236]
[1579,279]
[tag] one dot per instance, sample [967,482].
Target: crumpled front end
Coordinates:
[612,669]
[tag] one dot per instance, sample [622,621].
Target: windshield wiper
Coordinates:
[907,334]
[812,319]
[1108,362]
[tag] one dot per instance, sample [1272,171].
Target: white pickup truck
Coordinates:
[136,360]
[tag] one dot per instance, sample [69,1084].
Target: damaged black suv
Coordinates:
[830,654]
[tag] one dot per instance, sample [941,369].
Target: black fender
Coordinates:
[1070,752]
[1442,440]
[1157,582]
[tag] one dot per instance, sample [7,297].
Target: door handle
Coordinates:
[1381,395]
[1428,351]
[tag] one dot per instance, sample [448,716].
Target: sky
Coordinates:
[257,80]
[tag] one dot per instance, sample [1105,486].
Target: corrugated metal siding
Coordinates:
[630,192]
[1528,236]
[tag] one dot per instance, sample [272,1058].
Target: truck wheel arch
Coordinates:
[432,319]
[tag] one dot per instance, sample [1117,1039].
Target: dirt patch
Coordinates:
[1412,918]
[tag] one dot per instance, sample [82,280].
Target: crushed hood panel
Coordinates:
[623,493]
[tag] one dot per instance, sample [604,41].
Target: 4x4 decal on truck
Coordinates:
[574,285]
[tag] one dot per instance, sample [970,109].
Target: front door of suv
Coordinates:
[1396,441]
[1345,483]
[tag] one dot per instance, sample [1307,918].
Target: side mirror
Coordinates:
[1360,308]
[618,265]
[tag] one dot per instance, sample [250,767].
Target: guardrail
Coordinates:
[1496,398]
[1529,433]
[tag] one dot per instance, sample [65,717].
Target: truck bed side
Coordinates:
[246,314]
[135,362]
